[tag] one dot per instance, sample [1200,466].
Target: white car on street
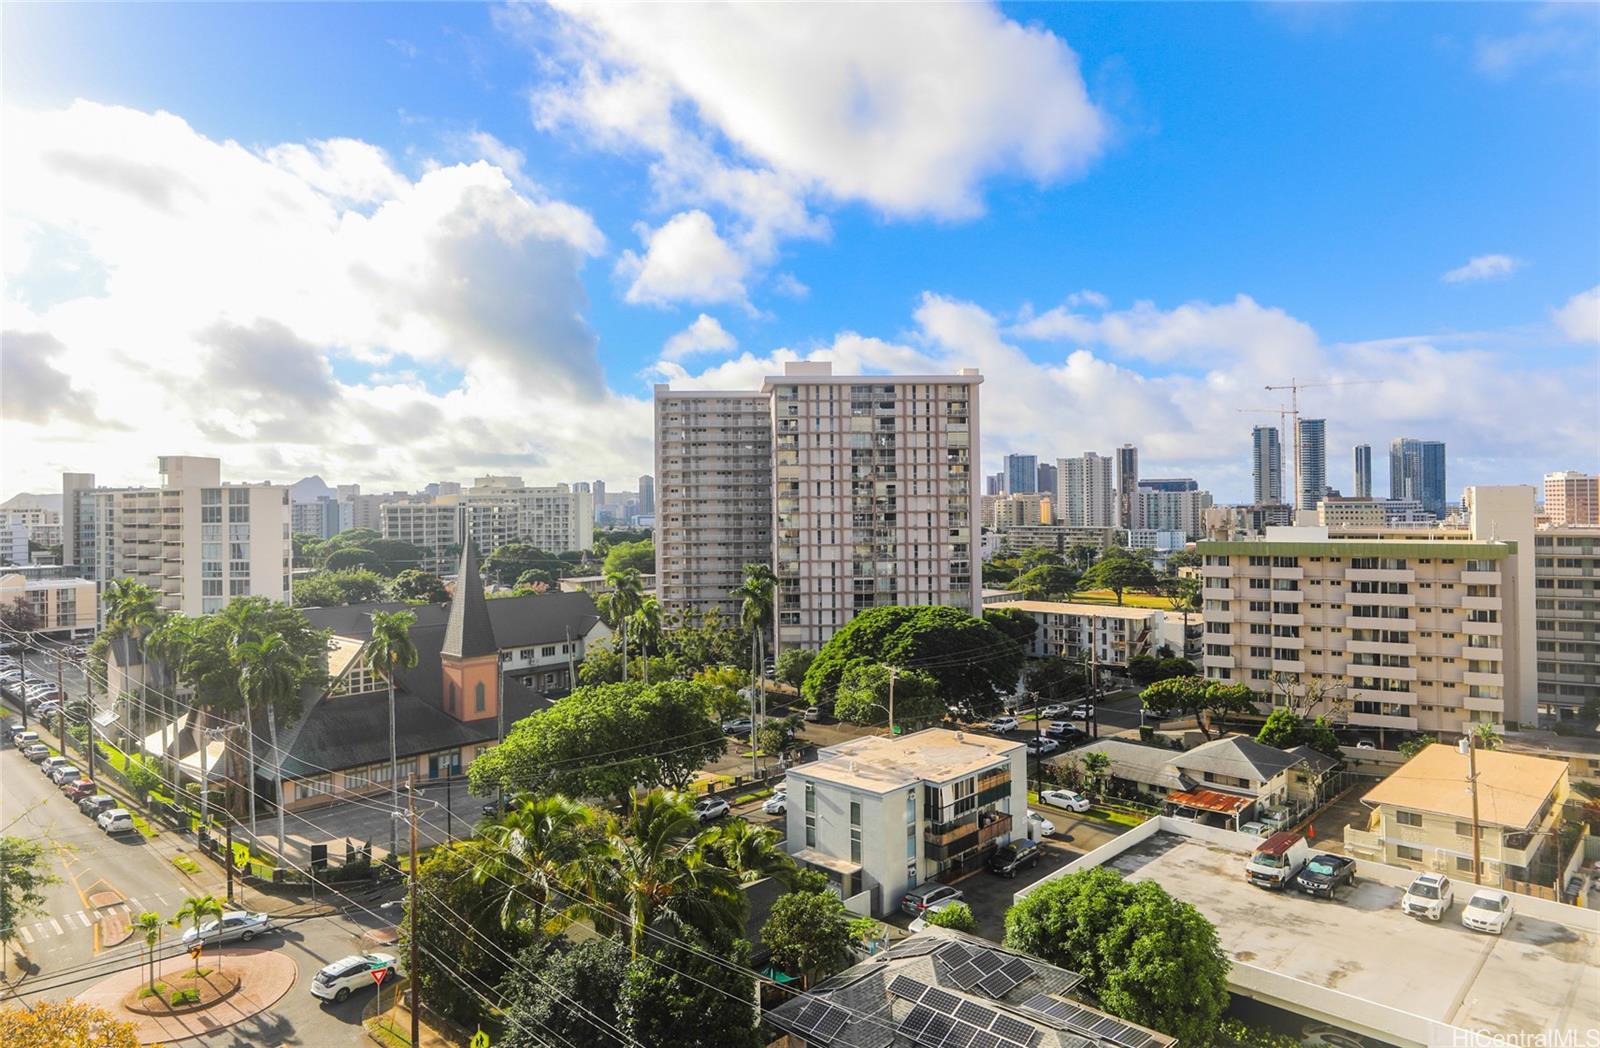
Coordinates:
[776,804]
[235,924]
[938,907]
[1081,712]
[707,809]
[337,981]
[1040,746]
[1430,896]
[1055,709]
[1489,910]
[1003,724]
[116,820]
[1068,799]
[1039,826]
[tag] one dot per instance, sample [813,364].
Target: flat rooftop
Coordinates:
[879,763]
[1060,607]
[1539,975]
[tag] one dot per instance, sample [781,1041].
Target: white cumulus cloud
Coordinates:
[685,260]
[1579,319]
[1483,267]
[705,335]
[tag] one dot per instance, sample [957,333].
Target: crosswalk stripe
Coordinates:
[84,917]
[54,925]
[26,937]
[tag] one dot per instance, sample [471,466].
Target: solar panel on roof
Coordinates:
[960,1036]
[985,1039]
[988,961]
[1013,1029]
[966,975]
[937,1028]
[907,987]
[976,1014]
[1017,968]
[830,1023]
[915,1022]
[954,953]
[940,1000]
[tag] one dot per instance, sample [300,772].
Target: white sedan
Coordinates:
[776,804]
[1043,745]
[235,924]
[1040,827]
[1068,799]
[1055,709]
[1489,910]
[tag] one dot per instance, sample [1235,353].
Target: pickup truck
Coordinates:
[1325,874]
[1276,862]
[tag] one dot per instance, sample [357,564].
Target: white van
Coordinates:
[1277,860]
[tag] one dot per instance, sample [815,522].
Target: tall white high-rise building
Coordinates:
[1127,484]
[1571,497]
[1311,463]
[431,523]
[1363,471]
[1155,509]
[1085,496]
[1266,465]
[870,494]
[193,539]
[499,510]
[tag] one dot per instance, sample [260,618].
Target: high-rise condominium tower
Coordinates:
[1266,461]
[1363,471]
[1571,498]
[1047,479]
[859,492]
[647,494]
[1416,471]
[1127,483]
[1311,463]
[1085,496]
[1021,473]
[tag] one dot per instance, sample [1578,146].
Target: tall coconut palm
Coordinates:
[622,603]
[167,646]
[755,597]
[269,673]
[388,652]
[751,852]
[150,924]
[532,851]
[659,866]
[130,609]
[647,625]
[240,622]
[197,909]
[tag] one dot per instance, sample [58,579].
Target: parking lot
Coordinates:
[1540,975]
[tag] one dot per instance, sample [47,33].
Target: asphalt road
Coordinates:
[64,946]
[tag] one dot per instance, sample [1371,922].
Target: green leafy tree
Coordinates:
[1035,557]
[721,686]
[1183,558]
[353,557]
[24,876]
[1018,625]
[1148,958]
[957,917]
[18,616]
[64,1024]
[792,665]
[863,697]
[337,588]
[755,596]
[131,610]
[1118,570]
[640,556]
[1195,697]
[564,993]
[388,651]
[510,562]
[618,607]
[602,741]
[750,852]
[1096,773]
[1411,747]
[1147,669]
[809,933]
[989,664]
[1056,679]
[777,734]
[419,587]
[694,642]
[476,941]
[1000,572]
[533,578]
[197,910]
[1048,582]
[674,996]
[269,676]
[1485,737]
[305,549]
[1286,729]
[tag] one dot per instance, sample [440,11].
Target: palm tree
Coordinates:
[269,673]
[532,851]
[752,852]
[389,651]
[1485,737]
[196,909]
[647,624]
[241,622]
[168,646]
[627,593]
[130,608]
[755,597]
[660,866]
[149,922]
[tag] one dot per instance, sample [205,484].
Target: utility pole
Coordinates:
[411,966]
[227,858]
[449,812]
[1038,755]
[1469,746]
[572,666]
[62,692]
[894,675]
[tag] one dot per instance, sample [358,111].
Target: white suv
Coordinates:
[337,981]
[1429,896]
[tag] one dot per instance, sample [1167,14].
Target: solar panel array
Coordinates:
[993,973]
[1065,1015]
[820,1021]
[940,1019]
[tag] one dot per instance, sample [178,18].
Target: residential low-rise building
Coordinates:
[1105,634]
[1006,542]
[880,815]
[63,607]
[1422,815]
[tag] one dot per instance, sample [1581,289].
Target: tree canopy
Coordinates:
[604,740]
[563,993]
[809,933]
[640,556]
[1147,669]
[64,1024]
[331,589]
[1147,957]
[973,662]
[1286,729]
[1118,570]
[1048,582]
[1196,696]
[1018,625]
[510,562]
[863,697]
[1054,679]
[419,587]
[793,663]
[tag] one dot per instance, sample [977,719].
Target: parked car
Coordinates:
[1055,709]
[115,820]
[1325,874]
[1009,858]
[1430,896]
[1003,724]
[93,805]
[47,709]
[1068,799]
[1277,860]
[65,773]
[813,713]
[1365,744]
[1083,711]
[776,804]
[737,726]
[708,808]
[1489,910]
[36,751]
[1064,730]
[1041,746]
[938,907]
[23,739]
[923,896]
[337,981]
[240,925]
[48,766]
[77,788]
[1039,826]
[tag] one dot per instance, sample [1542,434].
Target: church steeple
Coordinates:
[468,633]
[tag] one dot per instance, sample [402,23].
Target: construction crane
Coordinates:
[1294,389]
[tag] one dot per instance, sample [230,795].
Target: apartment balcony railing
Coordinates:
[943,841]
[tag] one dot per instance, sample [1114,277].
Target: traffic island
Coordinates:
[236,985]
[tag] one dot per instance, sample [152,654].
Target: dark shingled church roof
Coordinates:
[468,632]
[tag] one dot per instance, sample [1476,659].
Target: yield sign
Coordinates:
[378,975]
[194,952]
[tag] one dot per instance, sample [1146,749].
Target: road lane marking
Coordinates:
[26,937]
[54,925]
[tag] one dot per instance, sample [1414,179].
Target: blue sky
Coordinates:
[1329,164]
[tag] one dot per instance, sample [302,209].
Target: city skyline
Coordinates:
[482,258]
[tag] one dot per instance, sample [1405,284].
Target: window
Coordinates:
[1407,852]
[811,797]
[811,831]
[318,786]
[1408,818]
[1463,829]
[478,704]
[1463,864]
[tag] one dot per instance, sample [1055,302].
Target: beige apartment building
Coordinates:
[431,523]
[193,539]
[500,510]
[1009,511]
[1009,541]
[64,607]
[1422,815]
[1104,634]
[1571,497]
[713,469]
[858,491]
[1567,610]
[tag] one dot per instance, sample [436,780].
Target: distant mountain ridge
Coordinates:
[309,489]
[28,500]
